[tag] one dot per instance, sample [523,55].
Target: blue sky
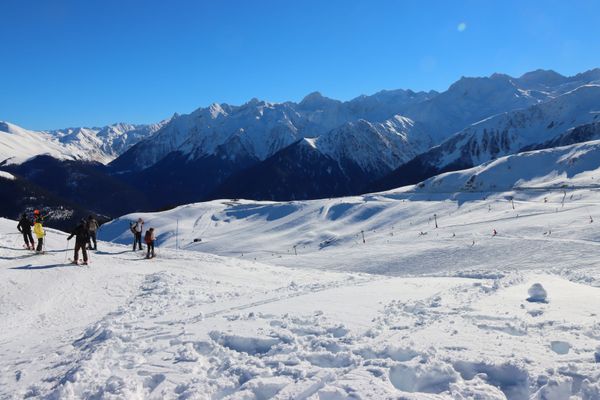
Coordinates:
[73,63]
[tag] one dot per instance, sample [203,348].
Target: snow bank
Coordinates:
[6,175]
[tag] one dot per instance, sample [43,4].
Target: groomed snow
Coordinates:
[414,312]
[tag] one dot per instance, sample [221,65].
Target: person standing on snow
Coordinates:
[81,240]
[149,238]
[24,227]
[38,229]
[137,229]
[92,225]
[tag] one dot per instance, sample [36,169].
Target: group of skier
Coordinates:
[25,227]
[85,234]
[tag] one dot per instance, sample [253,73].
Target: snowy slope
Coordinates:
[510,132]
[7,176]
[18,144]
[93,144]
[106,143]
[256,128]
[439,315]
[340,162]
[506,133]
[560,167]
[554,84]
[375,147]
[470,100]
[579,134]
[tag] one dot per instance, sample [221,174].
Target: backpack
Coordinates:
[148,237]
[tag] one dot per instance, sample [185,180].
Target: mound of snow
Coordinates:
[6,175]
[537,293]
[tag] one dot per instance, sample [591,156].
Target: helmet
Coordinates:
[36,212]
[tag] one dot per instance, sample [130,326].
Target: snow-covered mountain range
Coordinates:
[540,125]
[103,145]
[321,147]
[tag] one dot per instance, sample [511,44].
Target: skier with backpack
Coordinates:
[82,238]
[92,225]
[149,238]
[137,229]
[38,229]
[24,227]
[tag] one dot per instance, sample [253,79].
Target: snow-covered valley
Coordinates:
[228,310]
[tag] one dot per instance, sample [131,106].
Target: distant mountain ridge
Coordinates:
[103,145]
[503,134]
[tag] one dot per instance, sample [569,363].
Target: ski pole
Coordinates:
[67,251]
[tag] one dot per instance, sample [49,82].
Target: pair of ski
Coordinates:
[80,263]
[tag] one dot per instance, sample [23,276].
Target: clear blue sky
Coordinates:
[94,62]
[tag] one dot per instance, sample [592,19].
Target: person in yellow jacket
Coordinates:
[39,232]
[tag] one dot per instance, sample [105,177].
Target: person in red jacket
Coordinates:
[149,238]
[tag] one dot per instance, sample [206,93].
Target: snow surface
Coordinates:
[6,175]
[414,312]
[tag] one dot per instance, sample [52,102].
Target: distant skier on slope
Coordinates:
[24,227]
[81,240]
[494,232]
[137,229]
[92,225]
[38,229]
[150,238]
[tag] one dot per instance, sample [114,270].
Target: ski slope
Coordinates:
[413,312]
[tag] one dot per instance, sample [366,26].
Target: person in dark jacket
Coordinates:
[92,226]
[24,227]
[81,240]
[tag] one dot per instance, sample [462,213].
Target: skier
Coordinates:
[136,229]
[81,240]
[149,238]
[24,227]
[38,229]
[92,225]
[494,232]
